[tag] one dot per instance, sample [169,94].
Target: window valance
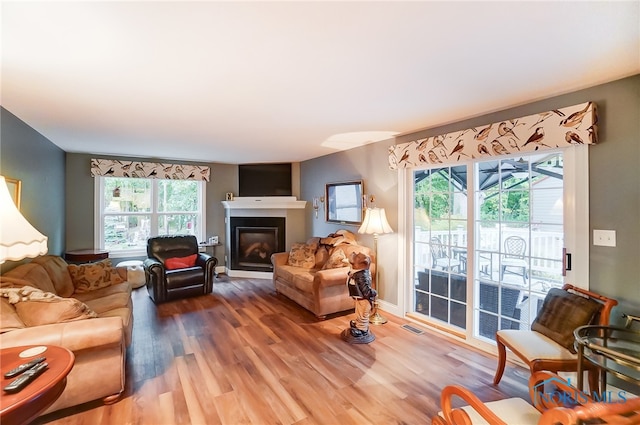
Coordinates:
[573,125]
[148,170]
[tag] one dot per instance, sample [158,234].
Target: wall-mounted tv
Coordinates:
[264,180]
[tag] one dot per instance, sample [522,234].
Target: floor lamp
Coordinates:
[18,238]
[375,223]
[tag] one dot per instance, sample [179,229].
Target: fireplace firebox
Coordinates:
[253,240]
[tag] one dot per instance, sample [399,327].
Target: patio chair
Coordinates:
[568,407]
[514,250]
[549,345]
[441,259]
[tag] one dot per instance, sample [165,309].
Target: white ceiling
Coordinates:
[243,82]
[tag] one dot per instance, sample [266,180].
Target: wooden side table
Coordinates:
[86,255]
[25,405]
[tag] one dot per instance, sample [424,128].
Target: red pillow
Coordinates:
[180,262]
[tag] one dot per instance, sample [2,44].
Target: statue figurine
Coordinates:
[359,284]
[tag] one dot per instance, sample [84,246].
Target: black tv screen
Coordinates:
[264,179]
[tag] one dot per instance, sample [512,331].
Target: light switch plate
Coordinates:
[604,237]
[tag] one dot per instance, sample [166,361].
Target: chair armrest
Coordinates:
[458,416]
[154,274]
[208,264]
[75,336]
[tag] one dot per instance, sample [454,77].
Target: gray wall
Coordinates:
[369,164]
[80,202]
[28,156]
[614,180]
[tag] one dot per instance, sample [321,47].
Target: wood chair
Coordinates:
[540,352]
[562,405]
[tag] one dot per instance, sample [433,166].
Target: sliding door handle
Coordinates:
[566,261]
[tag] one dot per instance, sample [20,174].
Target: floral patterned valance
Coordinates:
[574,125]
[148,170]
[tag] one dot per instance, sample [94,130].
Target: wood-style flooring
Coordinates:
[246,355]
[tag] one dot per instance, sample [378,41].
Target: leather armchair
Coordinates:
[164,284]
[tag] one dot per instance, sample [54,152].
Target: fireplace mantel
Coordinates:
[267,202]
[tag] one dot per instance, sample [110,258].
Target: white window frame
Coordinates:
[154,214]
[576,228]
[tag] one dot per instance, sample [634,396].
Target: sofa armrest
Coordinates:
[75,336]
[279,258]
[332,277]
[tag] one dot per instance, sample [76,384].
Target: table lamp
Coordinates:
[18,238]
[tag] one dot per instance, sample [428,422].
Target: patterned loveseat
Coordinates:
[314,275]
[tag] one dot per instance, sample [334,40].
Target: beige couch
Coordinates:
[313,274]
[93,318]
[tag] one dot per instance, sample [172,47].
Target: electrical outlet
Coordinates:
[604,237]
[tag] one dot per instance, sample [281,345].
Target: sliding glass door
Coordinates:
[519,239]
[488,241]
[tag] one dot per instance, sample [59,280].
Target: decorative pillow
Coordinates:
[92,276]
[561,313]
[336,260]
[35,307]
[302,255]
[180,262]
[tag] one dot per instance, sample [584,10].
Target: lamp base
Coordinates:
[376,318]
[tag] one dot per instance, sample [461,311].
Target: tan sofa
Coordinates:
[313,275]
[98,342]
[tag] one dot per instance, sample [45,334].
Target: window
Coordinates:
[440,244]
[130,210]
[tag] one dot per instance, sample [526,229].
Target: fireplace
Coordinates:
[253,240]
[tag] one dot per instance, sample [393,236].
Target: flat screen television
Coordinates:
[264,180]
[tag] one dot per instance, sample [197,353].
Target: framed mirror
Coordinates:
[344,202]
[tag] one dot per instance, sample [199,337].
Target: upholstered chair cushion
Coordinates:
[511,411]
[534,345]
[561,313]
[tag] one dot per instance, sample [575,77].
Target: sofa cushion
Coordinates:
[302,255]
[336,260]
[561,313]
[85,297]
[109,302]
[35,274]
[35,307]
[58,271]
[180,262]
[304,281]
[91,276]
[9,319]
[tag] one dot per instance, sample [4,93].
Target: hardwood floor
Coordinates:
[245,355]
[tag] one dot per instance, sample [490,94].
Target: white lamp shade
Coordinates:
[375,222]
[18,238]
